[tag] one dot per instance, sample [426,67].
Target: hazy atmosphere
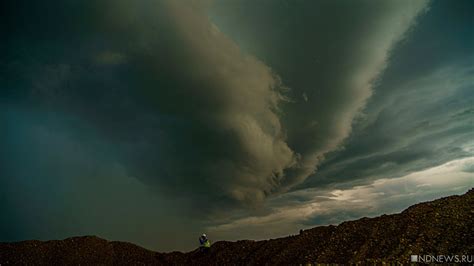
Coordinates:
[155,121]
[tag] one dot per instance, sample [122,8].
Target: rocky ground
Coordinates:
[444,226]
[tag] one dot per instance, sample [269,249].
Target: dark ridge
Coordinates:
[441,227]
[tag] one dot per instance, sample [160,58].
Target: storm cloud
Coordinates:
[186,113]
[183,107]
[209,115]
[329,65]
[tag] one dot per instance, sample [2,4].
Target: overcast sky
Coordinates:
[155,121]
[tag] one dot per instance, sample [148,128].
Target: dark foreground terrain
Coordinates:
[444,226]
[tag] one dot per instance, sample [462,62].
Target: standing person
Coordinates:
[205,244]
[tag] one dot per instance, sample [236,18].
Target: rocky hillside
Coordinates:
[441,227]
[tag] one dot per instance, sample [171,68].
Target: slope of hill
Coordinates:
[441,227]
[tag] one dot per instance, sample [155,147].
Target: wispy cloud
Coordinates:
[310,207]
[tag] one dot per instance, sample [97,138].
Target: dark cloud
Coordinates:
[420,115]
[184,109]
[329,64]
[60,179]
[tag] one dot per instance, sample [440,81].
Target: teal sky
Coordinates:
[155,121]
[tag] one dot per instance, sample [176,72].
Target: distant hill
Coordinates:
[441,227]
